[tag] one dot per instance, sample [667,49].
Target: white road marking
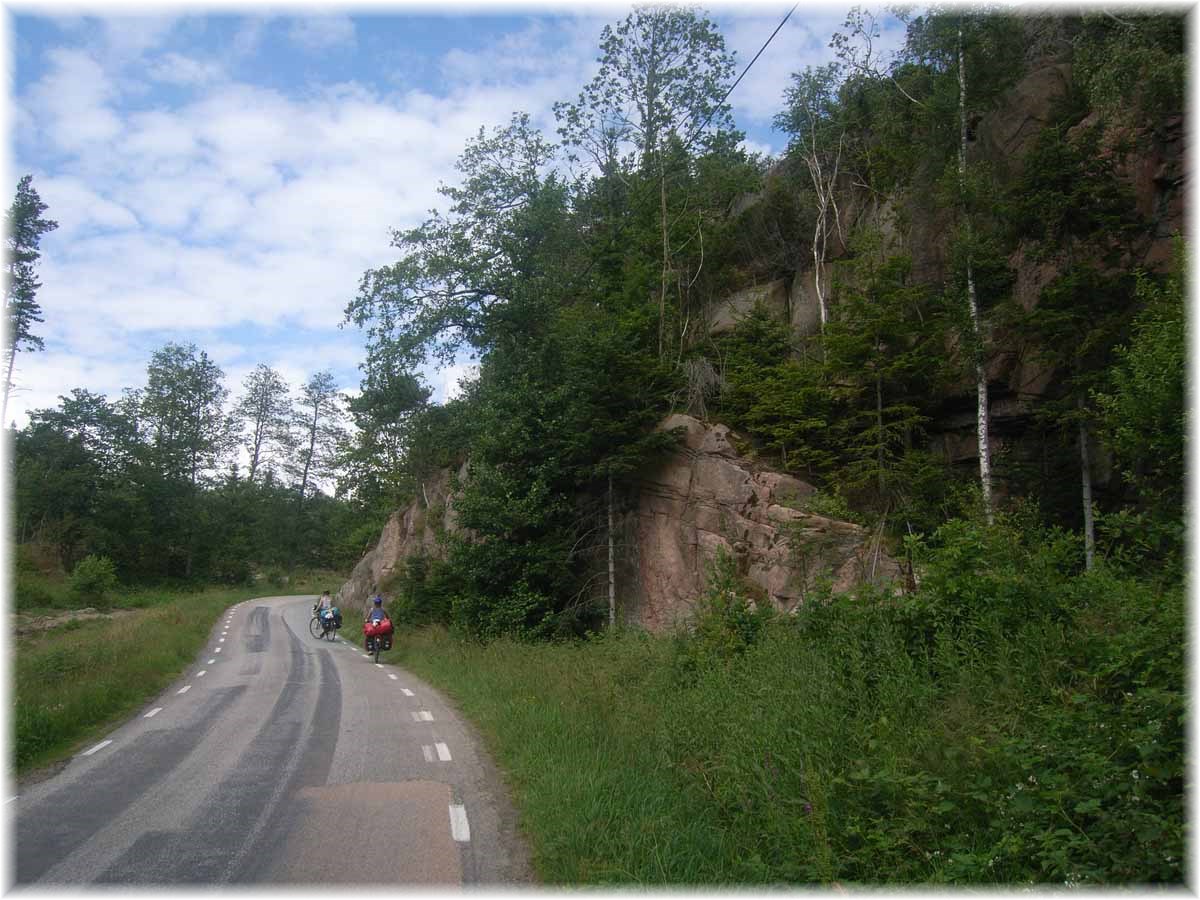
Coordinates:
[211,661]
[220,640]
[99,746]
[423,715]
[200,674]
[379,665]
[218,650]
[407,692]
[366,656]
[184,689]
[9,800]
[443,752]
[428,751]
[460,829]
[154,712]
[391,676]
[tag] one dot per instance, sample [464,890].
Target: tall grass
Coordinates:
[1014,722]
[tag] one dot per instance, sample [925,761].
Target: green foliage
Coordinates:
[727,620]
[26,226]
[1144,415]
[781,402]
[93,580]
[1015,721]
[1133,65]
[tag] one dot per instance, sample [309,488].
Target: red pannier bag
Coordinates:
[383,626]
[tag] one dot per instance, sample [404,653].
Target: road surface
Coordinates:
[276,758]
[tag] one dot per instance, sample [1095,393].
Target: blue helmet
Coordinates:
[378,600]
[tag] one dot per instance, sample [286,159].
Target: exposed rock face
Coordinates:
[700,499]
[705,497]
[409,532]
[724,316]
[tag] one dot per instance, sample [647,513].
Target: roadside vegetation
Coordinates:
[1015,720]
[72,681]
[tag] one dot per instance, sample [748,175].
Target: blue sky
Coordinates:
[226,178]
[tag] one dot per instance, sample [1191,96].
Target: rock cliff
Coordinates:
[701,498]
[706,497]
[408,532]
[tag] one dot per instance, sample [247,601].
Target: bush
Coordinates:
[34,592]
[728,620]
[94,578]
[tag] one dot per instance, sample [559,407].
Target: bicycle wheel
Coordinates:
[378,644]
[314,626]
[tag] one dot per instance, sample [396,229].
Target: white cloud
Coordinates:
[71,103]
[76,206]
[248,208]
[175,68]
[323,32]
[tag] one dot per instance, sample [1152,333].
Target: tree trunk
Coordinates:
[1085,470]
[666,252]
[12,356]
[612,567]
[981,386]
[879,431]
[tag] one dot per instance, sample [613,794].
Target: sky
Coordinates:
[224,176]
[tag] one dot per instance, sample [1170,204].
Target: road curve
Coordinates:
[276,758]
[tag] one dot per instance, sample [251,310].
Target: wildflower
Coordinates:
[1032,780]
[1136,775]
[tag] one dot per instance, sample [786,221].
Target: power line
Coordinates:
[704,124]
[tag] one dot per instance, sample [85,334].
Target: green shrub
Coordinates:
[93,580]
[35,592]
[727,620]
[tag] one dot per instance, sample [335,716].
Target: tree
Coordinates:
[317,420]
[883,353]
[458,273]
[187,433]
[1144,414]
[662,83]
[664,72]
[818,130]
[378,468]
[940,48]
[264,409]
[25,229]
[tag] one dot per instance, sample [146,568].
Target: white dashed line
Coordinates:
[220,640]
[154,712]
[184,689]
[218,650]
[443,752]
[423,715]
[460,829]
[200,674]
[407,692]
[379,665]
[99,746]
[211,661]
[428,752]
[391,676]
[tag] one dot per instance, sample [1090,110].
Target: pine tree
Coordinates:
[25,229]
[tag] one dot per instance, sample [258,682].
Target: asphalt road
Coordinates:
[277,758]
